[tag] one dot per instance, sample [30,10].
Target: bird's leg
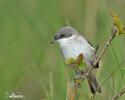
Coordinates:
[97,47]
[95,66]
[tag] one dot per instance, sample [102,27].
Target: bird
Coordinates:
[72,43]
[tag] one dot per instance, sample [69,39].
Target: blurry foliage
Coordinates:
[27,58]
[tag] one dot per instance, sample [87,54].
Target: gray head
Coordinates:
[64,32]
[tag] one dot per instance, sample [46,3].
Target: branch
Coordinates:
[104,50]
[74,92]
[106,46]
[119,94]
[77,80]
[94,64]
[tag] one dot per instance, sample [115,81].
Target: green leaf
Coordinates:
[71,62]
[82,65]
[76,62]
[117,22]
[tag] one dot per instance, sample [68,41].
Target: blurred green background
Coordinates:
[32,66]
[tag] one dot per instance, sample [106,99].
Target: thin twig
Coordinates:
[97,60]
[104,50]
[77,84]
[119,94]
[74,93]
[93,96]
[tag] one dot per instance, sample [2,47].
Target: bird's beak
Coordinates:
[53,41]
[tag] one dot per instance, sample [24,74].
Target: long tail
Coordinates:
[93,84]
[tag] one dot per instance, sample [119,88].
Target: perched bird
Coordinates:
[72,44]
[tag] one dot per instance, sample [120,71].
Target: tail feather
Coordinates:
[93,84]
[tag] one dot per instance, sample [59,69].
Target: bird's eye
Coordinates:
[62,35]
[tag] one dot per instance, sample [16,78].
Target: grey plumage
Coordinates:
[72,44]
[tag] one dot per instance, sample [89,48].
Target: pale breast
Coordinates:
[73,47]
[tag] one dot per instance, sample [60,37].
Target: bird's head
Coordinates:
[64,33]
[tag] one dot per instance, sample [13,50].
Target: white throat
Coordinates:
[64,40]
